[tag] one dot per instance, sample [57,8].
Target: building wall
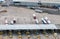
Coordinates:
[7,2]
[27,4]
[50,2]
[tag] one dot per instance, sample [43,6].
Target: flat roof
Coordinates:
[24,0]
[27,27]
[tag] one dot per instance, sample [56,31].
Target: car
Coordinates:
[38,10]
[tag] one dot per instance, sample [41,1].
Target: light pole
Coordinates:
[58,9]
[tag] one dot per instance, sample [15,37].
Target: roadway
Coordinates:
[51,11]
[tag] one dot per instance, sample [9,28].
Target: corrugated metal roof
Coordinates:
[27,27]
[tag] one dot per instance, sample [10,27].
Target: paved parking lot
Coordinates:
[24,15]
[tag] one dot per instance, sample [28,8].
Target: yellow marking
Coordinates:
[1,33]
[10,36]
[28,36]
[19,37]
[38,36]
[27,33]
[47,36]
[35,36]
[19,33]
[1,36]
[55,35]
[6,37]
[10,33]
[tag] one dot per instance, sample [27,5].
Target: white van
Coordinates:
[38,10]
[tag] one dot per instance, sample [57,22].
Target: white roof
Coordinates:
[50,1]
[27,0]
[27,27]
[43,1]
[24,0]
